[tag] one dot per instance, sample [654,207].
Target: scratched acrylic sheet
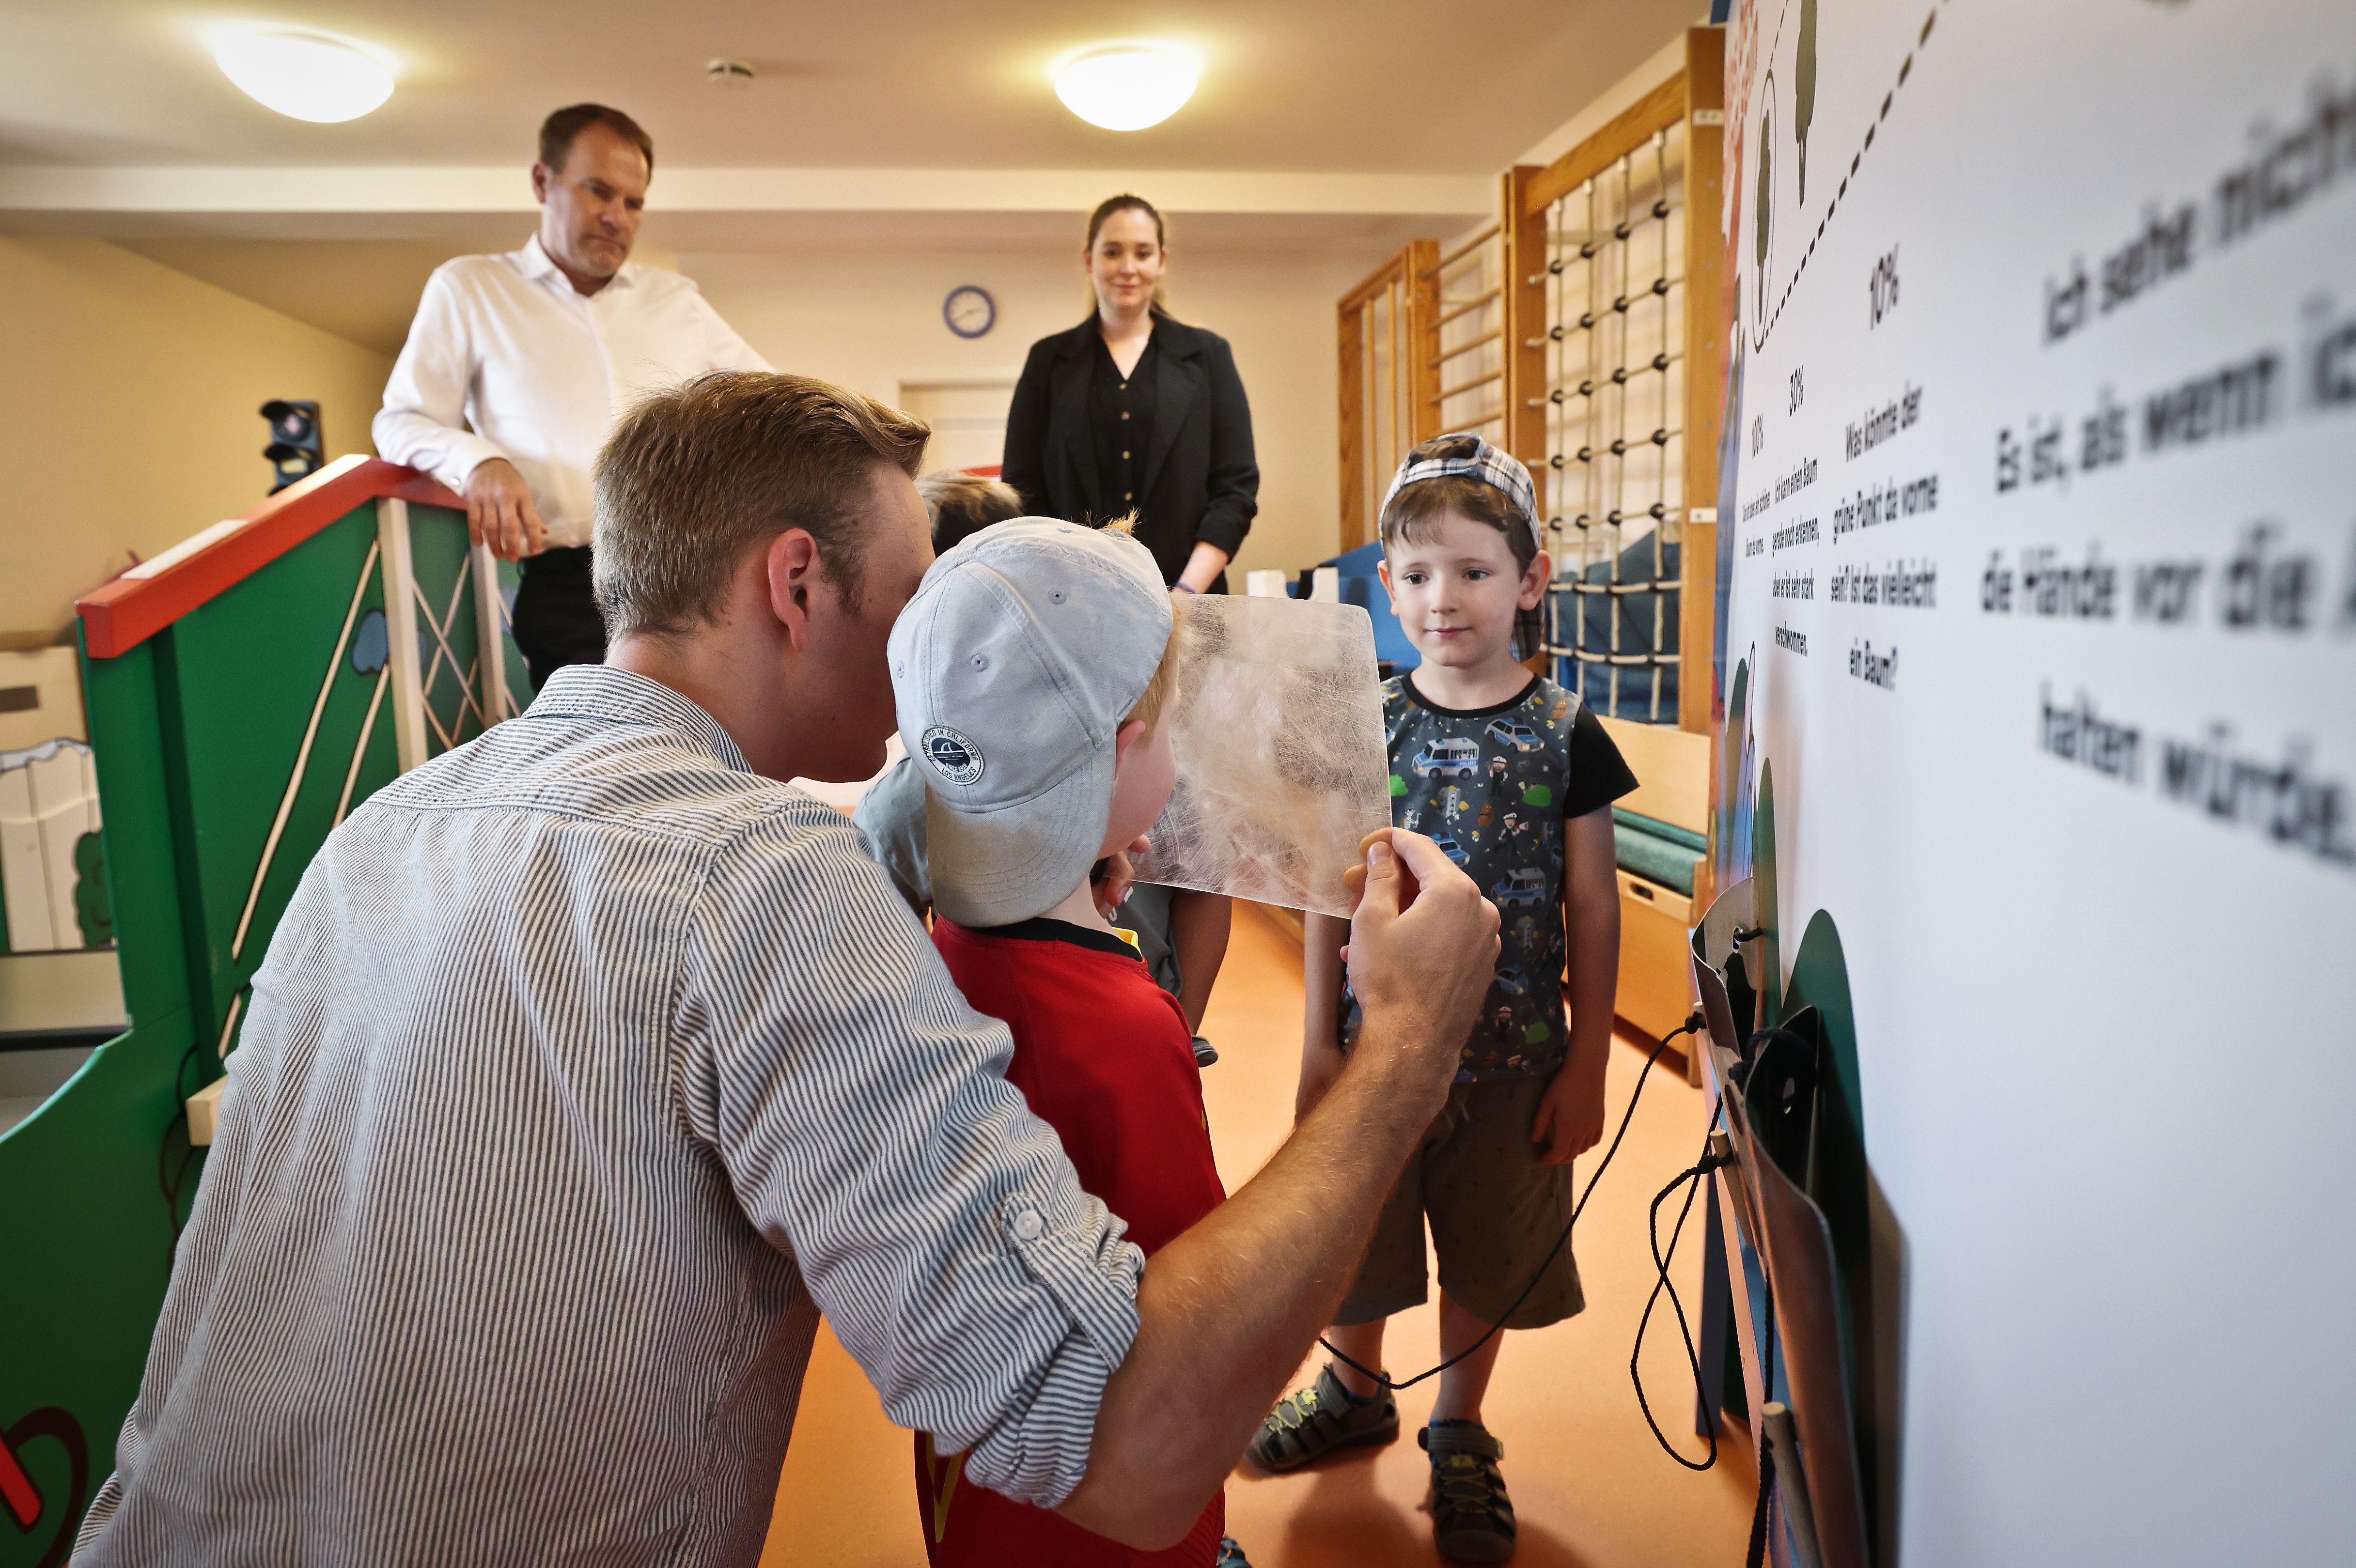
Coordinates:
[1278,733]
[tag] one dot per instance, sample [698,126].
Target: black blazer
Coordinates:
[1200,480]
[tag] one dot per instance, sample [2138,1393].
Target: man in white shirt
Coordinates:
[517,366]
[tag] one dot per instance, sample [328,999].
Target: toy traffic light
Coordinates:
[294,449]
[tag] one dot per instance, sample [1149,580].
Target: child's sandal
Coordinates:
[1309,1424]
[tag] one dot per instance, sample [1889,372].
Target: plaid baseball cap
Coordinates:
[1466,453]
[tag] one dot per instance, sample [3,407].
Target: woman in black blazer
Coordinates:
[1132,410]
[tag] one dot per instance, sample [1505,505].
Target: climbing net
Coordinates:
[1615,451]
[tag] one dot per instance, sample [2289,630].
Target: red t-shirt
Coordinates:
[1105,1057]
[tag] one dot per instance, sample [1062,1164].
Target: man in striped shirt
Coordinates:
[591,1063]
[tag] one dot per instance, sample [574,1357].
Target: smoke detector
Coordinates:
[728,73]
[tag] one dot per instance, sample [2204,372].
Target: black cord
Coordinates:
[1692,1025]
[1757,1555]
[171,1180]
[1695,1175]
[1766,1454]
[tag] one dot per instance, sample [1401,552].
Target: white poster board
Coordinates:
[2041,578]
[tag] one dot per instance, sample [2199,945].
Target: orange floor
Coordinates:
[1591,1488]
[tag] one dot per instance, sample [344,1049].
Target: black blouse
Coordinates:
[1120,421]
[1189,471]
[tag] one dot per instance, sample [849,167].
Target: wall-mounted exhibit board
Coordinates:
[2039,672]
[247,690]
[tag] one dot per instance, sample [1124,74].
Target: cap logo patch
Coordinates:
[953,756]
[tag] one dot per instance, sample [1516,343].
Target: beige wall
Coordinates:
[1621,96]
[127,412]
[871,320]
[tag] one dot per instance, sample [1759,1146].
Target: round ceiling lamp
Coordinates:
[304,77]
[1126,87]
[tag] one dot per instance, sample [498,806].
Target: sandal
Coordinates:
[1309,1424]
[1472,1518]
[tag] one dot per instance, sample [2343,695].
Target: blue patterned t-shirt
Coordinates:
[1493,786]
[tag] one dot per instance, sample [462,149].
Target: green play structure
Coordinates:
[245,692]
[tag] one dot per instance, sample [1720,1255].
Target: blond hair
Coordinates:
[695,476]
[1159,691]
[964,503]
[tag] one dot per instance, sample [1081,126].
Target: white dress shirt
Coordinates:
[506,359]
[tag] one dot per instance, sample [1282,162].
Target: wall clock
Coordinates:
[969,311]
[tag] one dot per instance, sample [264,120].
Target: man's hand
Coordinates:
[1423,949]
[1570,1113]
[500,512]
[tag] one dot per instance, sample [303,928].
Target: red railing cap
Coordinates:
[126,611]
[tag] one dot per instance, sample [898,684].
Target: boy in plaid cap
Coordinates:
[1515,780]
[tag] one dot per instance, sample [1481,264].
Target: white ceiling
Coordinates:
[1340,128]
[1379,85]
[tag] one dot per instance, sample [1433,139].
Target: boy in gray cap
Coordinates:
[1181,932]
[1031,672]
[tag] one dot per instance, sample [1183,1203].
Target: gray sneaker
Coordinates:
[1311,1423]
[1472,1518]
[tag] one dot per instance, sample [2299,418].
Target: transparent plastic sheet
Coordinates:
[1278,733]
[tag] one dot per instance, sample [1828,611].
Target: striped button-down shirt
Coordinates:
[586,1068]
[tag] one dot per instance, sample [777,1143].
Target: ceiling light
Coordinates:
[1126,87]
[304,77]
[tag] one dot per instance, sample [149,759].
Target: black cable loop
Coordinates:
[1692,1025]
[1694,1174]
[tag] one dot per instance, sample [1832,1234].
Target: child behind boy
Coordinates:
[1032,670]
[1516,780]
[962,505]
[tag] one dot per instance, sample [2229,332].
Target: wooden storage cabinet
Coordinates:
[1656,990]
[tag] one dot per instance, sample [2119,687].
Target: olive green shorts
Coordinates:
[1495,1211]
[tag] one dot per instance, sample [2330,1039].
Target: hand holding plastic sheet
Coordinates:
[1278,733]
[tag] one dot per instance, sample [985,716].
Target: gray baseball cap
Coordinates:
[1012,668]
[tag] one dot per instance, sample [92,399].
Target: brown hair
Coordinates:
[557,132]
[1416,510]
[1126,202]
[693,478]
[963,504]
